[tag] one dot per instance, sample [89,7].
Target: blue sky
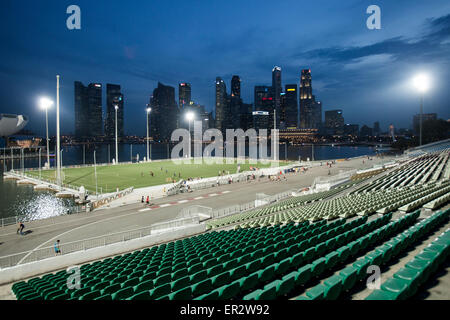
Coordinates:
[138,43]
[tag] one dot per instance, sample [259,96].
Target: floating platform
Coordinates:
[9,177]
[65,195]
[26,182]
[44,187]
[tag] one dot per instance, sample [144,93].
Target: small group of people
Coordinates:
[145,200]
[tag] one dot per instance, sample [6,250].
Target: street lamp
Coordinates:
[189,117]
[422,84]
[45,104]
[116,107]
[148,152]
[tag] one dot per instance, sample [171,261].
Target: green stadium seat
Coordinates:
[143,295]
[349,277]
[317,292]
[333,287]
[160,291]
[123,294]
[249,282]
[91,295]
[144,286]
[228,291]
[318,266]
[182,294]
[201,287]
[304,275]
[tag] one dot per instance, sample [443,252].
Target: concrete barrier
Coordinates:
[33,269]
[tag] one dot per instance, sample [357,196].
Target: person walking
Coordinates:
[21,227]
[148,200]
[57,248]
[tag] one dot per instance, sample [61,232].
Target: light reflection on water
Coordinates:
[23,200]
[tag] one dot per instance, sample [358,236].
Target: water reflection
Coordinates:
[23,200]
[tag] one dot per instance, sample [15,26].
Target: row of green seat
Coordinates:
[406,282]
[284,286]
[332,287]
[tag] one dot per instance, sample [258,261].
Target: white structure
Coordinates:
[11,124]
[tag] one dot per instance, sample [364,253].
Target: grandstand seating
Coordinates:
[304,247]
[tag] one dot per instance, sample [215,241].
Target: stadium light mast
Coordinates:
[148,110]
[116,107]
[58,138]
[189,117]
[422,84]
[45,104]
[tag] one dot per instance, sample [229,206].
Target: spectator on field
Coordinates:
[57,249]
[148,200]
[142,200]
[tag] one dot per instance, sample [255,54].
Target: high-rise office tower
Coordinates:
[264,102]
[291,106]
[221,103]
[164,113]
[334,122]
[184,95]
[236,87]
[277,90]
[306,100]
[114,97]
[88,110]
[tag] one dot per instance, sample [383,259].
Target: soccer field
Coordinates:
[138,175]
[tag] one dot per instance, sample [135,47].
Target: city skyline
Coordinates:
[350,61]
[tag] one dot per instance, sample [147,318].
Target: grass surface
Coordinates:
[138,175]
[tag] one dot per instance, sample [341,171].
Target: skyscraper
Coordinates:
[264,102]
[276,91]
[221,103]
[291,106]
[164,113]
[334,122]
[114,98]
[236,87]
[184,94]
[306,100]
[88,110]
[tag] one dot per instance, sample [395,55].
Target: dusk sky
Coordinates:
[367,73]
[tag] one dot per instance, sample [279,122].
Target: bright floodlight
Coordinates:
[149,110]
[45,103]
[190,116]
[421,82]
[116,107]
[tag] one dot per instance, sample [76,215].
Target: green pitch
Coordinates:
[139,175]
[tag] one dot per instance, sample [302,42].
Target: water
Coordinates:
[23,200]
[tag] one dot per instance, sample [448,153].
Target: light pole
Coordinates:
[422,84]
[189,118]
[45,104]
[148,110]
[58,140]
[116,107]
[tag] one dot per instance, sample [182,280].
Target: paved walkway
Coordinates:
[101,222]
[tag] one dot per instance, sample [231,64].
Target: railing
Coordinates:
[101,241]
